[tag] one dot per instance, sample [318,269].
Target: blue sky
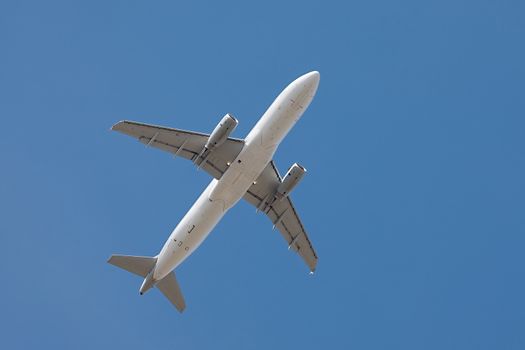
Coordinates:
[414,198]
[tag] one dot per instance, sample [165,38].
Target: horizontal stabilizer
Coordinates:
[171,290]
[139,265]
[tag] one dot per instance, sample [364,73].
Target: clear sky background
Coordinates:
[414,199]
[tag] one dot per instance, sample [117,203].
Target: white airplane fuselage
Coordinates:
[220,195]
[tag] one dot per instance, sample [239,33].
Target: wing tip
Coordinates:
[116,126]
[181,309]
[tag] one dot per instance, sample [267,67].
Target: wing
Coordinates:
[186,144]
[282,213]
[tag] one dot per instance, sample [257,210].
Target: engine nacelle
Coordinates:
[291,179]
[221,132]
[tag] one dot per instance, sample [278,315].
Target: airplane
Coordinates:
[241,168]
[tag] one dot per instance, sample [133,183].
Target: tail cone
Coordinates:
[149,282]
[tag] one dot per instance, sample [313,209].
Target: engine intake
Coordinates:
[221,132]
[290,180]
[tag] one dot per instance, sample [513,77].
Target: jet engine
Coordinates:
[291,179]
[221,132]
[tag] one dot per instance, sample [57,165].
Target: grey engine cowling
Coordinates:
[290,180]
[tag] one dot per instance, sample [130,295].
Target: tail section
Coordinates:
[139,265]
[171,290]
[143,266]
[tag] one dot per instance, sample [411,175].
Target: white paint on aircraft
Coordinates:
[247,174]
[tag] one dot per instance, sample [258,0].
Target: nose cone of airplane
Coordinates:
[302,90]
[313,77]
[310,80]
